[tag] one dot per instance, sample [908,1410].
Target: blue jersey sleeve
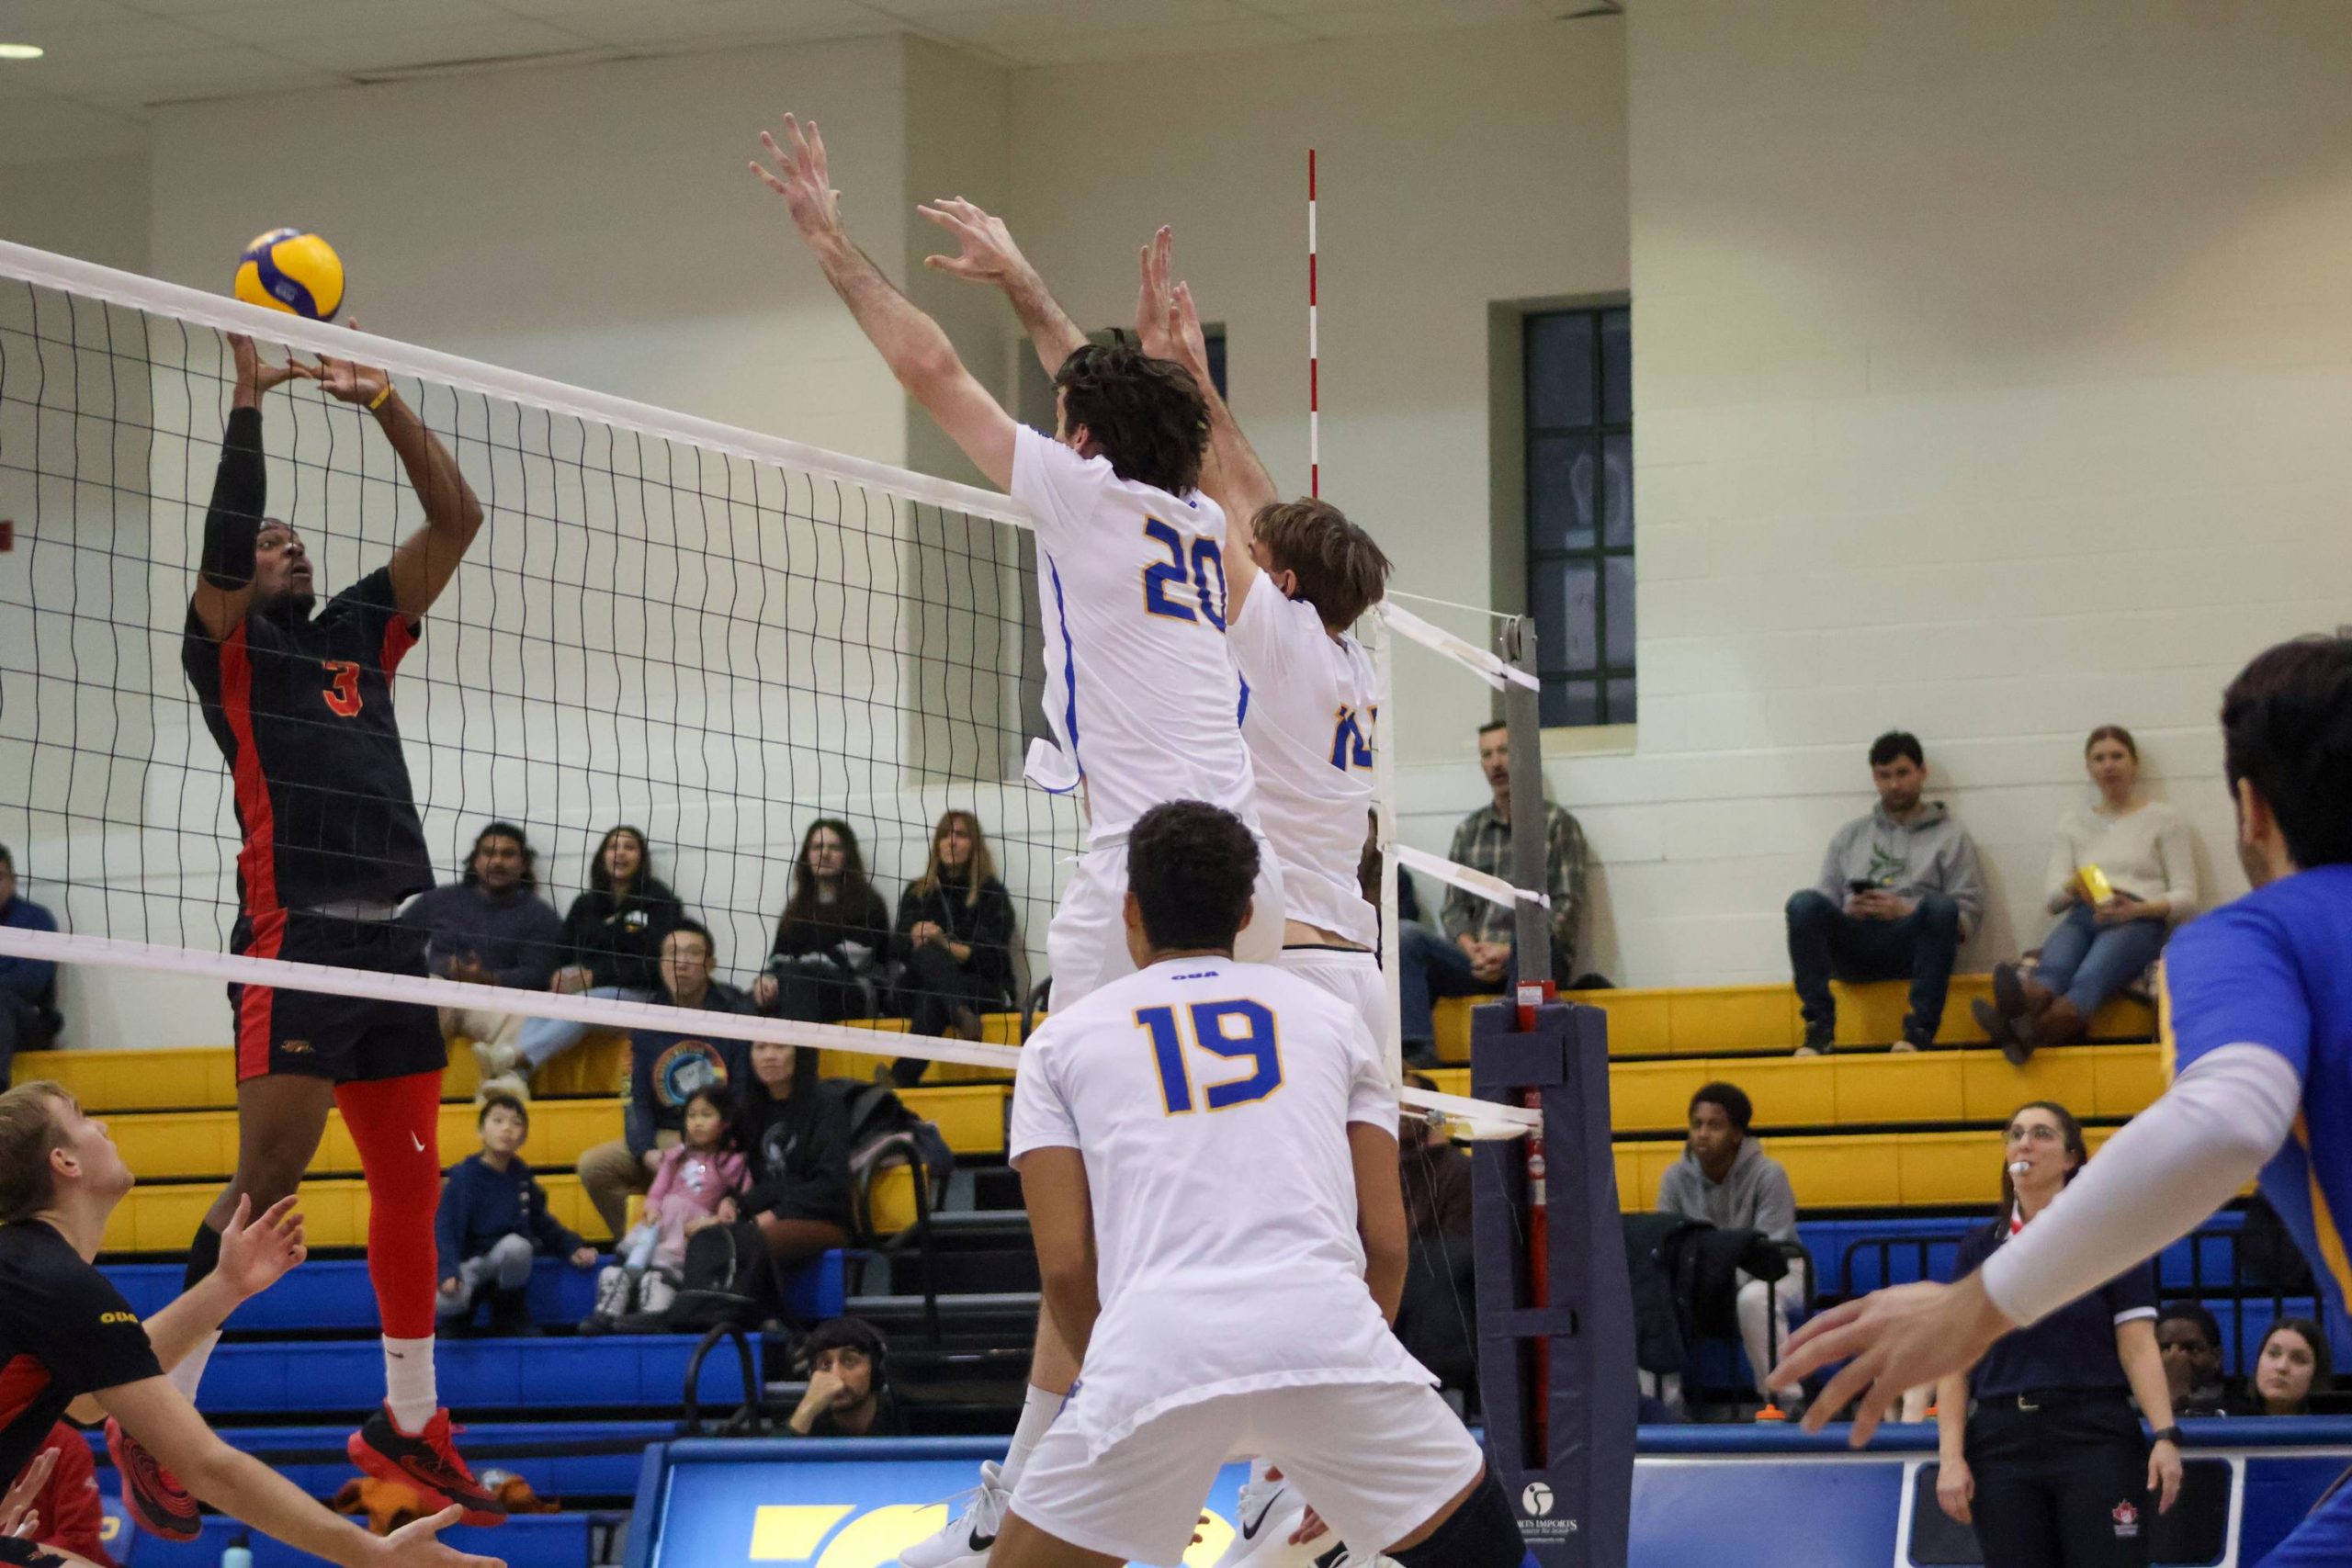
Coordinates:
[2233,978]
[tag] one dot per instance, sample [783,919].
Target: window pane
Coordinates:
[1620,607]
[1617,367]
[1560,492]
[1621,700]
[1217,362]
[1560,368]
[1567,638]
[1617,490]
[1570,701]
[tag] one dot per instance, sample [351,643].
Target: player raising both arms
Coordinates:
[2256,1017]
[1145,1117]
[300,700]
[1141,692]
[72,1345]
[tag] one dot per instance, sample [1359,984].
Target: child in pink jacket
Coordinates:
[701,1172]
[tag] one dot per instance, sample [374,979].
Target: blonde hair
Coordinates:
[980,870]
[28,1132]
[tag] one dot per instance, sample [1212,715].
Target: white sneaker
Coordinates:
[1268,1515]
[613,1291]
[966,1540]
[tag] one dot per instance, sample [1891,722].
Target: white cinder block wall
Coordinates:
[1990,366]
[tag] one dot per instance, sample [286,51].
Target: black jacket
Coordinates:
[619,940]
[798,1148]
[859,916]
[985,926]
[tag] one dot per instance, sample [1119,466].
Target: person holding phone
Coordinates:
[2123,873]
[1899,892]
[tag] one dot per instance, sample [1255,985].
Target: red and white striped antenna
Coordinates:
[1314,373]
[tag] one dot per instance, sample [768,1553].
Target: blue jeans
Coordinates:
[1429,965]
[2087,963]
[1825,943]
[545,1039]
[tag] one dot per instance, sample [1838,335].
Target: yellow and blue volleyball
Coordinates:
[286,269]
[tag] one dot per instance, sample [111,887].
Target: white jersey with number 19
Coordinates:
[1139,688]
[1203,1091]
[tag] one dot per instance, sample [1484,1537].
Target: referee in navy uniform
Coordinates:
[2051,1467]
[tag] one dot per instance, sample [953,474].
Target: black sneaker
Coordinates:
[429,1462]
[153,1496]
[1916,1037]
[1820,1039]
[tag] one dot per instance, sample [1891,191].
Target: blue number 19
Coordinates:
[1213,1031]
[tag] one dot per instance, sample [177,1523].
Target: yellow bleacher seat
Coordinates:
[1874,1171]
[335,1212]
[1698,1020]
[1882,1088]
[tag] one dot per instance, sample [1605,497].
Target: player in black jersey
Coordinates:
[70,1346]
[300,699]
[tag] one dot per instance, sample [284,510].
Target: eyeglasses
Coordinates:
[2035,1132]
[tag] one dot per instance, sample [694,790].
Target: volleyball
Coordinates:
[286,269]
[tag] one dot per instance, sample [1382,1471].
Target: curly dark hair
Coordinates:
[1191,866]
[1146,415]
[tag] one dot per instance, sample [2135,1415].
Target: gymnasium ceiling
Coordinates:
[110,62]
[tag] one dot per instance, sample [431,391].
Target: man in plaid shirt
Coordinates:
[1475,957]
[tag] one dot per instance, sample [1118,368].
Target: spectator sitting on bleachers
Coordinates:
[826,966]
[795,1131]
[1408,903]
[493,1221]
[2291,1364]
[71,1514]
[491,928]
[849,1386]
[1435,1175]
[2122,874]
[697,1176]
[1725,1178]
[1476,956]
[612,945]
[29,1019]
[1899,892]
[666,1066]
[955,936]
[2188,1337]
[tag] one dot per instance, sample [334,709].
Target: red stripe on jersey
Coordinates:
[259,859]
[399,636]
[22,1380]
[257,1004]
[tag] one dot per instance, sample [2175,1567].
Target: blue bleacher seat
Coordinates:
[618,1370]
[333,1294]
[530,1540]
[2199,1264]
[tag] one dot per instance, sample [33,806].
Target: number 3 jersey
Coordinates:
[302,710]
[1139,689]
[1211,1100]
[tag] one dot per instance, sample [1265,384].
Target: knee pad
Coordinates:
[1481,1533]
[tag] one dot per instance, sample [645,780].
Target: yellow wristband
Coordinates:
[378,400]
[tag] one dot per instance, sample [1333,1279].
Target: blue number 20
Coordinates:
[1213,1031]
[1207,561]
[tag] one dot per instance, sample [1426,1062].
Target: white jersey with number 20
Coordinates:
[1139,688]
[1210,1099]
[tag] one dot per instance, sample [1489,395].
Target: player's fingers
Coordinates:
[1841,1390]
[1872,1410]
[281,1211]
[765,178]
[816,151]
[1821,1323]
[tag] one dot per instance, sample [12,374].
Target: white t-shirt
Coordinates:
[1167,1082]
[1308,719]
[1139,688]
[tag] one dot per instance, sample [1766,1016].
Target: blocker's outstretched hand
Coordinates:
[1168,324]
[18,1517]
[802,177]
[1898,1339]
[348,379]
[256,1254]
[986,254]
[257,374]
[415,1545]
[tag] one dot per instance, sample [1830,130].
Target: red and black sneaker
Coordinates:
[155,1498]
[428,1461]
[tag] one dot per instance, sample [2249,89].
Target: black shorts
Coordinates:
[315,1034]
[17,1552]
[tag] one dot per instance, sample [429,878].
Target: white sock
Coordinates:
[410,1390]
[189,1373]
[1037,1413]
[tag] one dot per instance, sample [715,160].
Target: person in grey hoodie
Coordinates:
[1725,1178]
[1899,892]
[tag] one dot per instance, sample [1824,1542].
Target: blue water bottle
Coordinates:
[240,1553]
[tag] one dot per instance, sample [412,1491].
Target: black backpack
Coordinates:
[722,1283]
[882,1131]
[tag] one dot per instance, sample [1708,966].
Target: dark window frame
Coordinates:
[1547,554]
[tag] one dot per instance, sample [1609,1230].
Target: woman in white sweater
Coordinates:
[2142,849]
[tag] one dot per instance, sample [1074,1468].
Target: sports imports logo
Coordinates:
[1536,1499]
